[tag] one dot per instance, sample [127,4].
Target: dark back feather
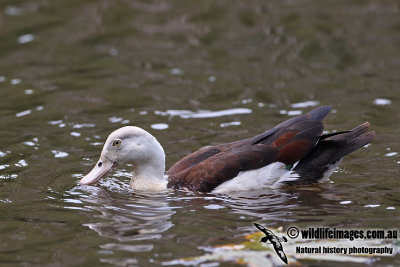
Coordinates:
[330,150]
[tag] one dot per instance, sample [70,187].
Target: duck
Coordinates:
[296,152]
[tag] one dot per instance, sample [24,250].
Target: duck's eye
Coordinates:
[116,143]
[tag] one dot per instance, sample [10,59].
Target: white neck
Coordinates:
[149,177]
[148,173]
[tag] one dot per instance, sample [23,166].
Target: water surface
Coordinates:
[193,74]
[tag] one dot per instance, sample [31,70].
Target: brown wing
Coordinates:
[203,154]
[193,159]
[295,137]
[296,141]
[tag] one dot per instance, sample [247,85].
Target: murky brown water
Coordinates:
[73,71]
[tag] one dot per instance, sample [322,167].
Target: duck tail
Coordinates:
[318,165]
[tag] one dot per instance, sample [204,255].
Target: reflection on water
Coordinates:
[140,217]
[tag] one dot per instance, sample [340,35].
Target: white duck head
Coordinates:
[136,146]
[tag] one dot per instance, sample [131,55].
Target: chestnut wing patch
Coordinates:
[223,166]
[294,141]
[300,145]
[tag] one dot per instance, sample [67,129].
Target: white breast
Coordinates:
[271,175]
